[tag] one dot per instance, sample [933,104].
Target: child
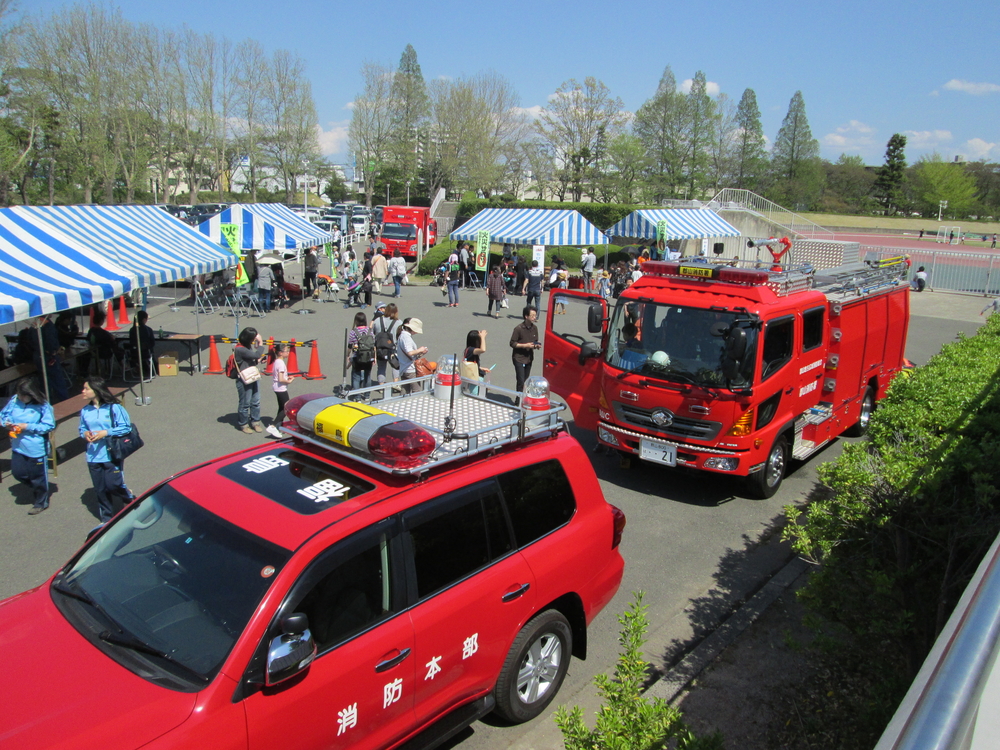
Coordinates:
[279,384]
[475,344]
[604,285]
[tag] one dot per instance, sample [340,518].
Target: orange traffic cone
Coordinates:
[110,324]
[293,360]
[314,370]
[214,363]
[271,356]
[122,313]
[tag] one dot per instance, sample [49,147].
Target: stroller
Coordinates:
[354,292]
[440,275]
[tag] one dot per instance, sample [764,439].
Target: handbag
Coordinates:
[504,303]
[470,370]
[250,374]
[423,367]
[121,447]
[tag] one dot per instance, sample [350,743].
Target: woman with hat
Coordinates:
[408,352]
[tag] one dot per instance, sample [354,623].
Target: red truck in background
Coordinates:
[407,229]
[727,369]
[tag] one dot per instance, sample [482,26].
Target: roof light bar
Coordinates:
[710,272]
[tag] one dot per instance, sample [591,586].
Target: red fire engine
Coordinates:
[728,369]
[407,229]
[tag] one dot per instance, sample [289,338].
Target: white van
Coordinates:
[359,224]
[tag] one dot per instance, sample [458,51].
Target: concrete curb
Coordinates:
[671,684]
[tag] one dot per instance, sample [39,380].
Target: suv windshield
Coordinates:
[393,231]
[675,343]
[168,588]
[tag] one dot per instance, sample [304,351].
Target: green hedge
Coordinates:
[909,512]
[601,215]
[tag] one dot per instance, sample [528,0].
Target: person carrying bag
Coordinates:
[101,421]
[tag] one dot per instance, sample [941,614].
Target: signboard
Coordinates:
[661,230]
[232,234]
[538,253]
[241,275]
[704,272]
[482,250]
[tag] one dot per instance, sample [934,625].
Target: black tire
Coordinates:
[764,483]
[860,428]
[534,668]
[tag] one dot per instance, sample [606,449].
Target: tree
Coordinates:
[701,121]
[751,158]
[576,124]
[848,186]
[938,180]
[795,164]
[410,110]
[370,132]
[723,148]
[889,183]
[659,124]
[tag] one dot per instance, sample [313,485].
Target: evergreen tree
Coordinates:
[751,157]
[795,164]
[659,124]
[410,110]
[702,117]
[889,182]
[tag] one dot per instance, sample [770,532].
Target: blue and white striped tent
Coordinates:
[145,240]
[682,224]
[266,226]
[532,226]
[44,271]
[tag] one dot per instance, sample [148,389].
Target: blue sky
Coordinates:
[866,69]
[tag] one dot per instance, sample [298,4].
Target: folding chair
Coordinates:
[248,303]
[474,280]
[202,299]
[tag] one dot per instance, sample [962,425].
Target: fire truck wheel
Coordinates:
[764,483]
[860,428]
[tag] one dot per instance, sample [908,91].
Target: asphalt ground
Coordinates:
[693,543]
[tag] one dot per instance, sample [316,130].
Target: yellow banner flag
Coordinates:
[241,275]
[232,234]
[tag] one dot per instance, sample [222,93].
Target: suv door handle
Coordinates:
[549,363]
[390,663]
[512,595]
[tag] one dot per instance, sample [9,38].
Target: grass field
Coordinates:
[914,224]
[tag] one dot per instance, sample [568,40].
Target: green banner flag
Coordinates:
[232,234]
[661,229]
[482,250]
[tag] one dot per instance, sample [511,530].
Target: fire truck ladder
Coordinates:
[861,279]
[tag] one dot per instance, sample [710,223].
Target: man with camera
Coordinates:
[523,342]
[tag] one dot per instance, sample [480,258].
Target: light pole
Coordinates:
[407,192]
[942,205]
[305,200]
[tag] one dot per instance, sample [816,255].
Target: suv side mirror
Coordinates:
[595,319]
[291,652]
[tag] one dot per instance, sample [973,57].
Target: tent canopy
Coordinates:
[145,240]
[265,226]
[682,224]
[44,271]
[532,226]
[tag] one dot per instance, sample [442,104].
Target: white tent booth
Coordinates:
[695,231]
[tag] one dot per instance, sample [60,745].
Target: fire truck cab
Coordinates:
[730,369]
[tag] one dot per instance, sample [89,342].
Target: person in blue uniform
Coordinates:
[29,418]
[101,417]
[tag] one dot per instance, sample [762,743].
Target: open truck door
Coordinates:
[575,330]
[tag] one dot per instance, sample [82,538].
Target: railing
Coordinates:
[945,707]
[978,273]
[733,199]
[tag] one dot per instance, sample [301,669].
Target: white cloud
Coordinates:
[334,140]
[531,112]
[349,106]
[854,136]
[968,87]
[444,78]
[711,87]
[978,149]
[926,139]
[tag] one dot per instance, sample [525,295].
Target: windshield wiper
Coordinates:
[131,642]
[73,591]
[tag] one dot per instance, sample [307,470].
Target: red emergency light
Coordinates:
[705,271]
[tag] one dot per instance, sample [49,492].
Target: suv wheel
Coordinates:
[535,667]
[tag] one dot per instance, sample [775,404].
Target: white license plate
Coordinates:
[661,453]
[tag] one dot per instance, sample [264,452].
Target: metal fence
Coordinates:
[977,273]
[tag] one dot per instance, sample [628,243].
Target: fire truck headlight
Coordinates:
[722,463]
[607,436]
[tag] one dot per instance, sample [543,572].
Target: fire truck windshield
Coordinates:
[393,231]
[679,344]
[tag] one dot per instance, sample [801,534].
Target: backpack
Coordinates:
[364,352]
[231,371]
[384,344]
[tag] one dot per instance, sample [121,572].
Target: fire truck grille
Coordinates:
[682,427]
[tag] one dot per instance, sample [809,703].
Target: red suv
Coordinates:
[367,582]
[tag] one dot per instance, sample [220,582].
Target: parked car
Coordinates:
[356,580]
